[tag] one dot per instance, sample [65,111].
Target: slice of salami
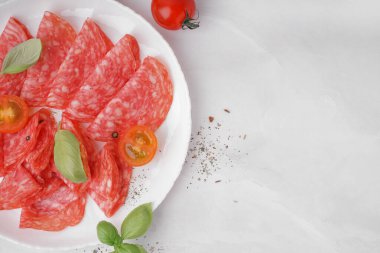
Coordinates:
[14,33]
[54,208]
[53,198]
[38,158]
[16,188]
[105,180]
[57,36]
[18,145]
[70,125]
[109,205]
[71,215]
[90,46]
[45,177]
[144,100]
[2,167]
[111,73]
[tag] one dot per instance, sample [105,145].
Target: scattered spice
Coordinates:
[154,247]
[227,111]
[115,135]
[218,181]
[211,119]
[137,186]
[27,138]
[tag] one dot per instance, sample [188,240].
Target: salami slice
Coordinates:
[144,100]
[70,125]
[14,33]
[16,188]
[111,73]
[38,159]
[100,188]
[90,46]
[2,167]
[57,36]
[105,180]
[18,145]
[54,209]
[45,177]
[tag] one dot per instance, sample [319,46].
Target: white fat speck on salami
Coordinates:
[110,74]
[144,100]
[14,33]
[89,47]
[57,36]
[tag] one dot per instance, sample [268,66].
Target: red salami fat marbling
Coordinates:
[90,46]
[101,187]
[38,159]
[16,188]
[72,126]
[144,100]
[57,36]
[111,73]
[54,209]
[14,33]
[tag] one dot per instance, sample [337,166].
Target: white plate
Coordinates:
[151,183]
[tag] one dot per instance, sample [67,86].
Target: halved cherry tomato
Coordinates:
[138,145]
[14,114]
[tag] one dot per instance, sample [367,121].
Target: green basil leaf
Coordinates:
[137,222]
[107,233]
[22,57]
[67,156]
[130,248]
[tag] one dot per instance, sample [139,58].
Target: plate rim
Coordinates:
[187,129]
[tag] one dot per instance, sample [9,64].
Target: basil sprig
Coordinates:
[136,224]
[22,56]
[67,156]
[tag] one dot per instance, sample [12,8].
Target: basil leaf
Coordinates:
[67,156]
[137,222]
[22,57]
[107,233]
[130,248]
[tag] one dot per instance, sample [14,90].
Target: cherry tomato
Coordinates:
[175,14]
[137,146]
[14,114]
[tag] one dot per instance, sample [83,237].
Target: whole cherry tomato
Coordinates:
[175,14]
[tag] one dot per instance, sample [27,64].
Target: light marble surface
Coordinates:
[300,174]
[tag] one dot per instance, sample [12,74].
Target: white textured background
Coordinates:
[295,166]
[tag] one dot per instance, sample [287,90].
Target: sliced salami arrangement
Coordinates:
[57,36]
[110,74]
[110,104]
[89,48]
[144,100]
